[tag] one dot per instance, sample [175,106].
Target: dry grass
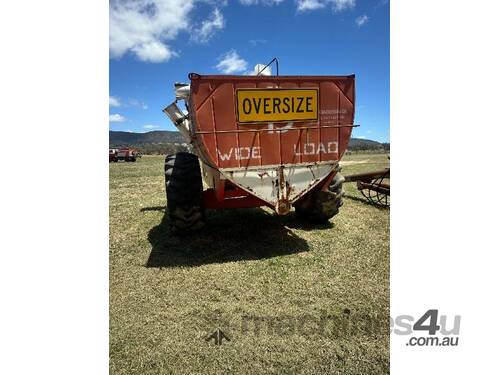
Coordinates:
[167,294]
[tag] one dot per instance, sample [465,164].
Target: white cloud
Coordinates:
[150,127]
[304,5]
[340,5]
[336,5]
[154,51]
[208,28]
[114,101]
[256,42]
[263,2]
[137,103]
[146,28]
[116,118]
[231,63]
[361,20]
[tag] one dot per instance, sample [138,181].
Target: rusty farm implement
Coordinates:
[375,186]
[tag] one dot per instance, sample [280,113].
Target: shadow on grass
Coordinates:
[293,221]
[231,235]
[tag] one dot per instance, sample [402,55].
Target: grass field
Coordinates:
[292,298]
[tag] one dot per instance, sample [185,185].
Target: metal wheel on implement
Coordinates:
[320,206]
[184,188]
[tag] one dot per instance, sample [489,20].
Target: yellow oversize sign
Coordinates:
[276,105]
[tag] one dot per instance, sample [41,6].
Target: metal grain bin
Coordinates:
[268,140]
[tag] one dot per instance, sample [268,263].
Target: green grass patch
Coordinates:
[255,275]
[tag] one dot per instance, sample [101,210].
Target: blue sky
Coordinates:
[154,43]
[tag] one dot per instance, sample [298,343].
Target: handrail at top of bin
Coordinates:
[277,129]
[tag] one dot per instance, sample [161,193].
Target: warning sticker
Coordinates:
[276,105]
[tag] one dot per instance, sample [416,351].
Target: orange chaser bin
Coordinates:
[271,141]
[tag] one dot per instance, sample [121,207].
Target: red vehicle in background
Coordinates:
[113,152]
[127,154]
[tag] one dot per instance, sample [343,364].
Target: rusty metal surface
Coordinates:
[367,176]
[379,188]
[228,144]
[276,162]
[373,185]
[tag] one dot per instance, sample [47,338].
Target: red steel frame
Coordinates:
[233,198]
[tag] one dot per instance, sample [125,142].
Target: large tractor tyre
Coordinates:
[320,206]
[184,192]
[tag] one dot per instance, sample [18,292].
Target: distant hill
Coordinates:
[156,141]
[118,139]
[361,144]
